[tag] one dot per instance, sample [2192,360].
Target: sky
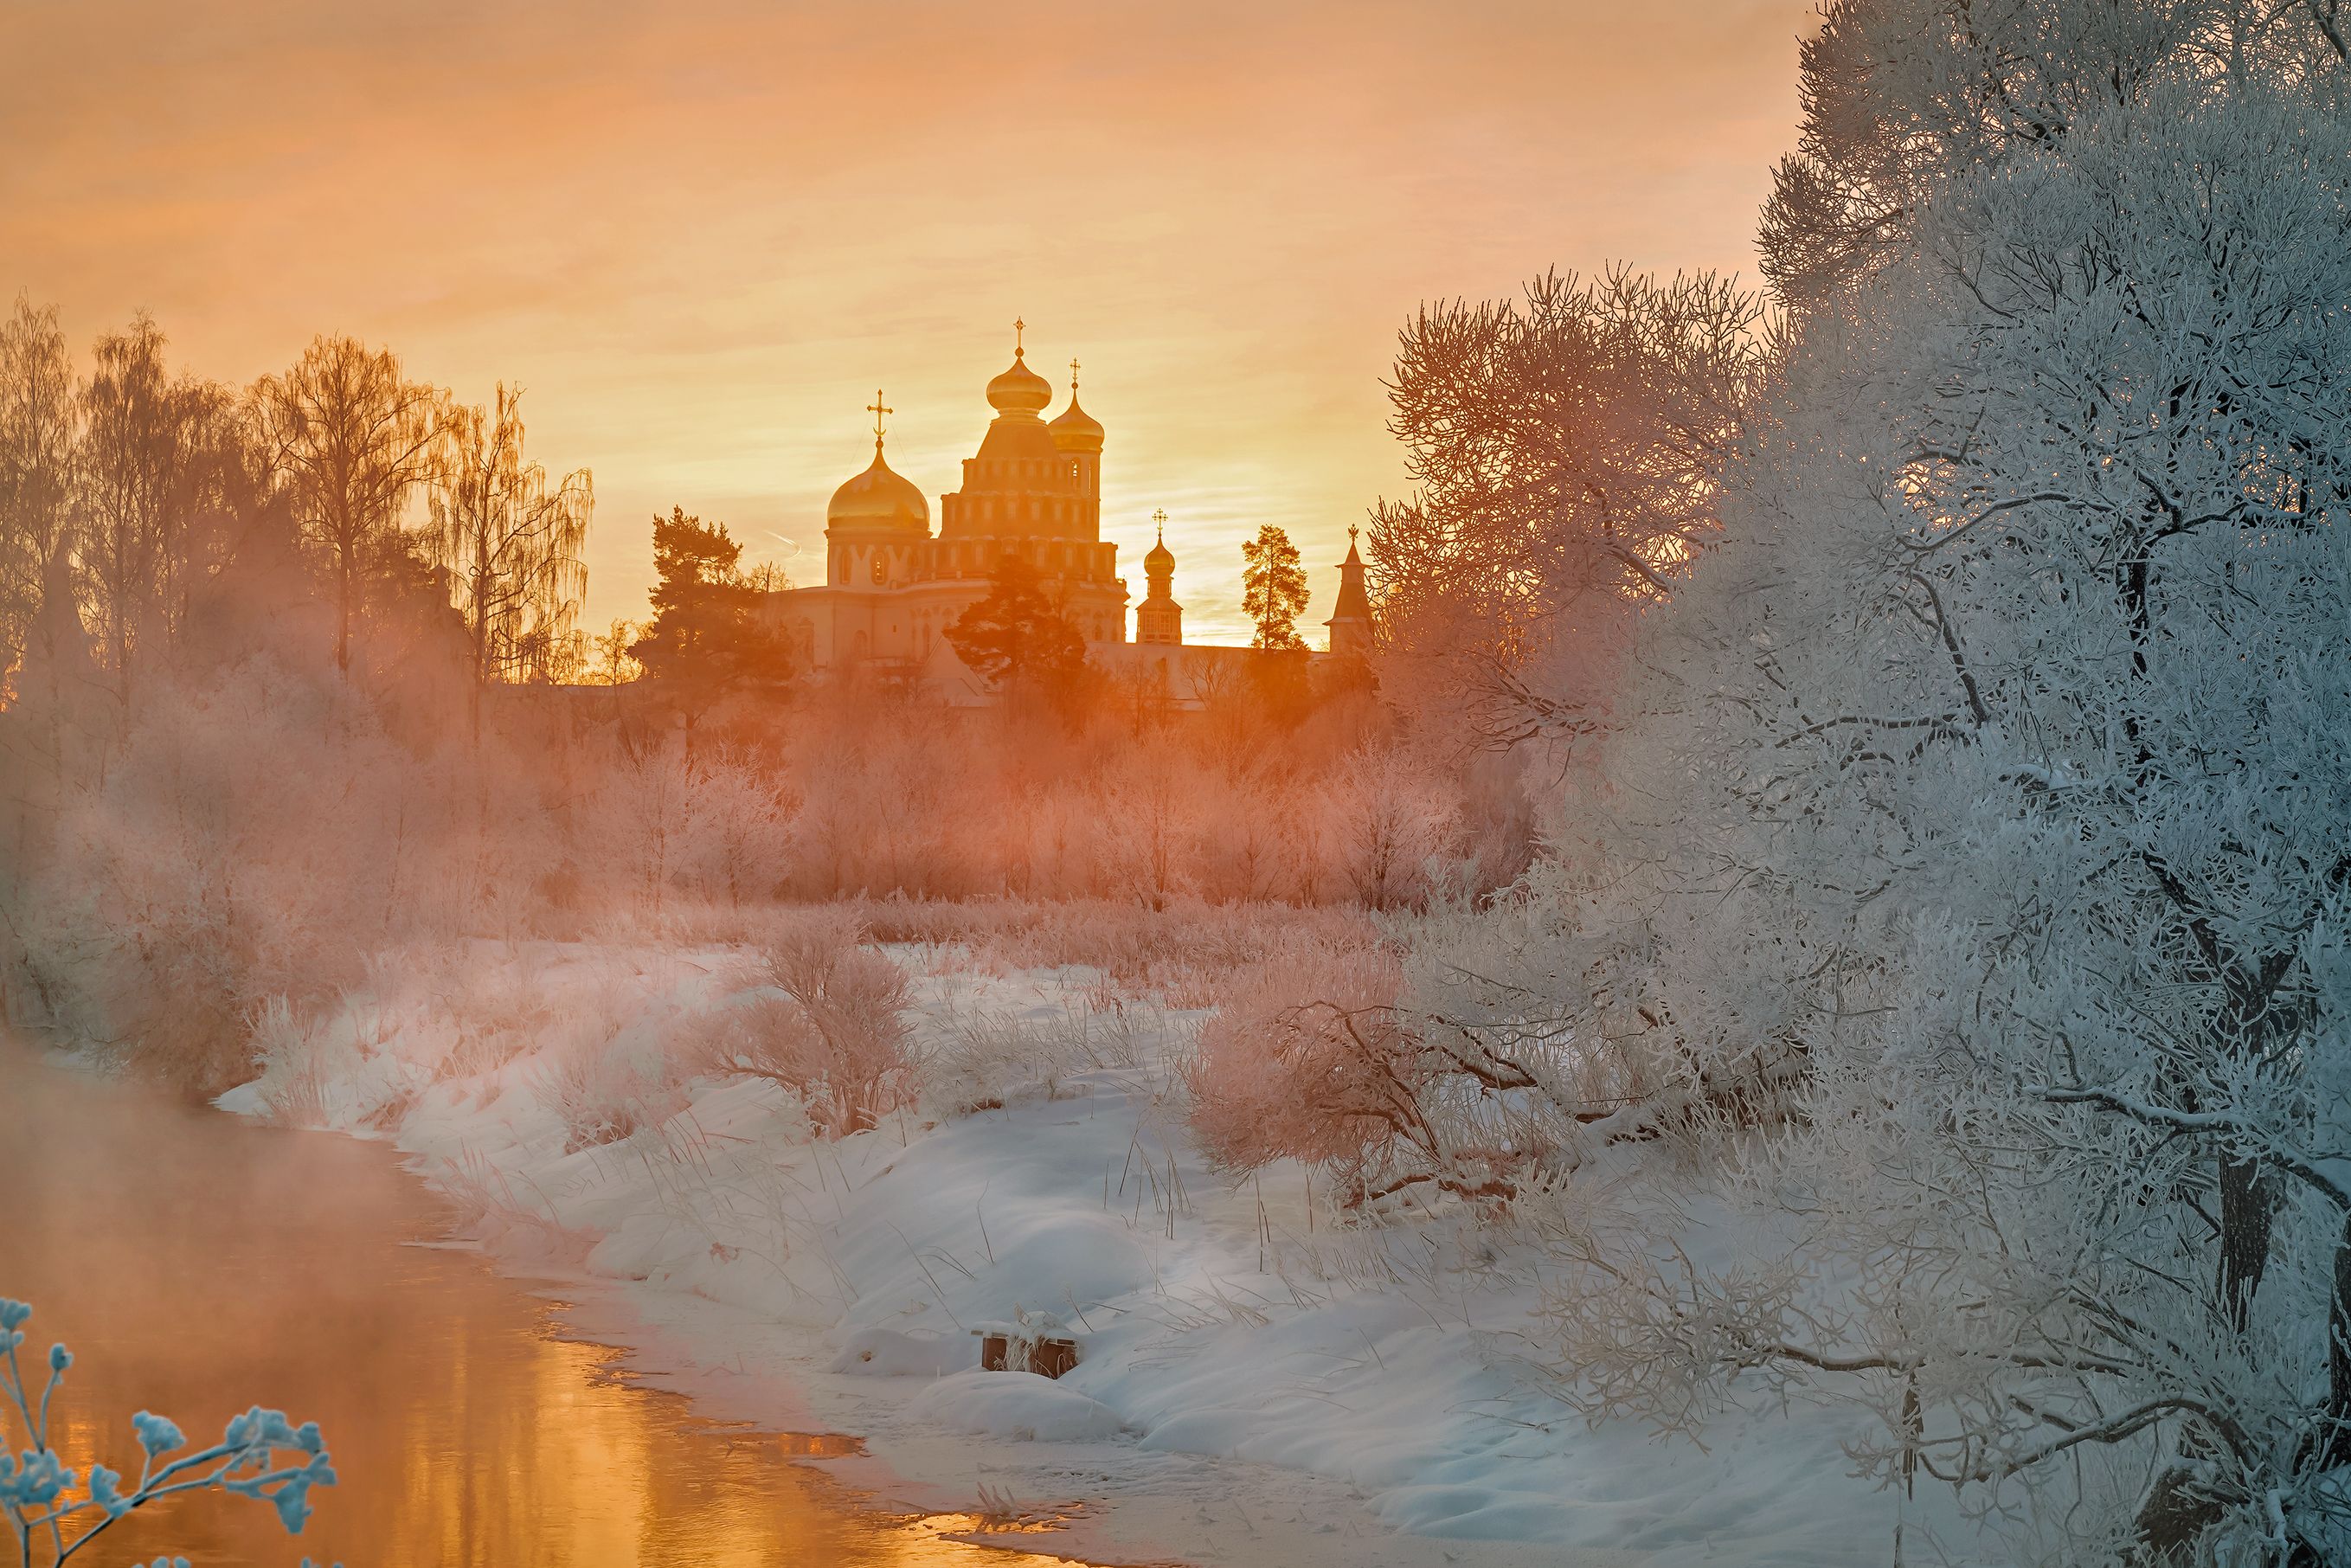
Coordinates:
[700,234]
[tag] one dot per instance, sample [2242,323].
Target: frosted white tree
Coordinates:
[1986,818]
[1904,98]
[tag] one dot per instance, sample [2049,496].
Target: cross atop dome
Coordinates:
[878,409]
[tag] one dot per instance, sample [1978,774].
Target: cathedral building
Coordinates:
[891,587]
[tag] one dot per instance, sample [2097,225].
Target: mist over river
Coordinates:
[196,1263]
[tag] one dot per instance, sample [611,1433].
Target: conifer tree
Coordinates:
[1273,588]
[706,638]
[1017,637]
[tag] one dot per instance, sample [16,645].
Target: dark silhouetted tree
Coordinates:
[1017,638]
[141,430]
[708,637]
[352,436]
[1273,588]
[36,449]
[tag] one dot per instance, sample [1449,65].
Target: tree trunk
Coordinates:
[2335,1435]
[2248,1208]
[343,618]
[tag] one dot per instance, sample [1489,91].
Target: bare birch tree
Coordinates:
[36,451]
[353,436]
[511,543]
[141,427]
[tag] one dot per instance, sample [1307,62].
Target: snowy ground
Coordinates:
[1256,1387]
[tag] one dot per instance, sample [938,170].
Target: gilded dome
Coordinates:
[1076,430]
[879,498]
[1161,561]
[1019,389]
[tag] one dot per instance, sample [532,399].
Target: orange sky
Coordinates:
[702,232]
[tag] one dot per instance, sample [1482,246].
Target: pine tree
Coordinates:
[1273,588]
[1017,637]
[706,638]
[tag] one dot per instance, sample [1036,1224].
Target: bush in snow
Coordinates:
[829,1025]
[295,1065]
[1311,1057]
[260,1455]
[587,1074]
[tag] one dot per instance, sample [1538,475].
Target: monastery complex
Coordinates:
[891,587]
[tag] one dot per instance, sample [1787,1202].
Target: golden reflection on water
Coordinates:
[196,1265]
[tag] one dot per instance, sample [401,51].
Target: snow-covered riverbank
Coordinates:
[1256,1386]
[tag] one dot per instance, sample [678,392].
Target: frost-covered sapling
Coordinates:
[260,1455]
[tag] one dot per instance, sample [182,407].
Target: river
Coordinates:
[196,1264]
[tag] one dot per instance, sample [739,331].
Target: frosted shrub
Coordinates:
[1387,818]
[832,1029]
[639,816]
[1182,950]
[1307,1060]
[260,1455]
[600,1101]
[739,826]
[590,1080]
[294,1065]
[1331,1055]
[498,1013]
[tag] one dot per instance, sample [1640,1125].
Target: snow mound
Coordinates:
[887,1352]
[1020,1407]
[1217,1432]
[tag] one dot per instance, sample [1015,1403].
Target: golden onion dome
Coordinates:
[1076,430]
[879,498]
[1020,390]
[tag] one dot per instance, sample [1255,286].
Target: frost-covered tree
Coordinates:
[1565,454]
[1980,827]
[1904,98]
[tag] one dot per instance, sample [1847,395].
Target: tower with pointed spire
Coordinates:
[1159,619]
[1351,618]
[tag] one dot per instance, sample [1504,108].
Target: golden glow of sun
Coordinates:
[697,233]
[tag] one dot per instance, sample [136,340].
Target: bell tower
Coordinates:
[1159,619]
